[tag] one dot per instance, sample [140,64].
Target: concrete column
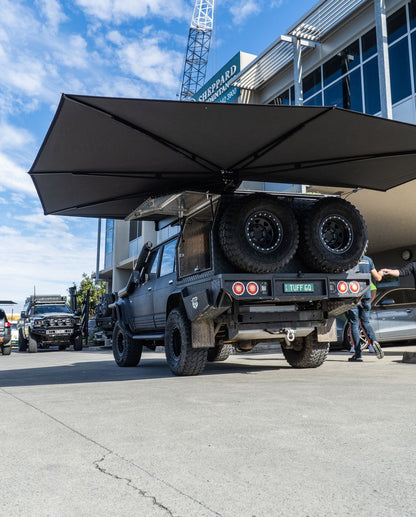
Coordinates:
[383,59]
[297,69]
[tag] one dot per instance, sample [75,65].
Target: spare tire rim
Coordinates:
[264,231]
[336,234]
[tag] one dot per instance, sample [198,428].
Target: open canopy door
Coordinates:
[102,157]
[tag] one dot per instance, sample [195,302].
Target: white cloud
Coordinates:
[118,11]
[13,177]
[52,11]
[49,258]
[13,138]
[243,10]
[150,62]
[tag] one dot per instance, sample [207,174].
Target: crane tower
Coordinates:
[197,51]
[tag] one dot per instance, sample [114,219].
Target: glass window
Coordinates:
[371,87]
[396,25]
[282,99]
[168,259]
[409,295]
[399,71]
[153,263]
[292,95]
[413,40]
[341,63]
[346,93]
[316,100]
[135,230]
[312,83]
[412,14]
[369,43]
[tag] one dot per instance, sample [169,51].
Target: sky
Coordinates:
[122,48]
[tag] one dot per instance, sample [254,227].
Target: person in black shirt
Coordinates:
[406,270]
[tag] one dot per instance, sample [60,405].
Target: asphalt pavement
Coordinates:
[252,436]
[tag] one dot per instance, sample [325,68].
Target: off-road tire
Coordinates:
[333,236]
[308,352]
[32,344]
[77,343]
[126,350]
[220,352]
[259,234]
[22,342]
[181,357]
[6,349]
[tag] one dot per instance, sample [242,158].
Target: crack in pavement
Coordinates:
[109,452]
[129,481]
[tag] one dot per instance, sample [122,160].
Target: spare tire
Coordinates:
[334,236]
[258,233]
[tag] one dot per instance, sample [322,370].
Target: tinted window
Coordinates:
[282,99]
[410,295]
[346,93]
[44,309]
[396,25]
[135,230]
[152,264]
[371,87]
[168,259]
[399,70]
[312,83]
[400,296]
[341,63]
[413,40]
[412,14]
[369,43]
[316,100]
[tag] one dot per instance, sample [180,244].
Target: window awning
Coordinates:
[102,157]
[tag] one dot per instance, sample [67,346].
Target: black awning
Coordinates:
[102,157]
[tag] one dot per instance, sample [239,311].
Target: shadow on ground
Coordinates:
[108,371]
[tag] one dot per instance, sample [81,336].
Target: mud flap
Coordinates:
[203,334]
[327,333]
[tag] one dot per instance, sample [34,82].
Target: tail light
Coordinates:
[354,287]
[342,287]
[7,324]
[252,288]
[238,288]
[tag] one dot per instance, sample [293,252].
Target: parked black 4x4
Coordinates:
[245,268]
[47,321]
[5,334]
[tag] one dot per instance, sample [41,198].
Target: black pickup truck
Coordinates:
[47,321]
[244,268]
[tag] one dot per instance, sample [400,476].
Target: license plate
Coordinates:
[58,331]
[299,287]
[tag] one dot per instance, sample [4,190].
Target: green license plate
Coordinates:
[299,288]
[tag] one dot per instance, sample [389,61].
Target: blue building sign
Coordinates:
[218,88]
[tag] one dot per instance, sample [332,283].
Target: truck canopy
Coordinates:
[102,157]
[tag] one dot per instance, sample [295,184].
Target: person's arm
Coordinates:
[392,272]
[376,275]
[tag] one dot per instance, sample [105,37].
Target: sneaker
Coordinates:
[378,350]
[355,358]
[371,349]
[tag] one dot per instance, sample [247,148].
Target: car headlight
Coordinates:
[37,323]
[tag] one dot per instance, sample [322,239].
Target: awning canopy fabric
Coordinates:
[102,157]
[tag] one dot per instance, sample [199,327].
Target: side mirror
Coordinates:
[23,314]
[388,301]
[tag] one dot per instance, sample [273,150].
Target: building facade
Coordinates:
[353,54]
